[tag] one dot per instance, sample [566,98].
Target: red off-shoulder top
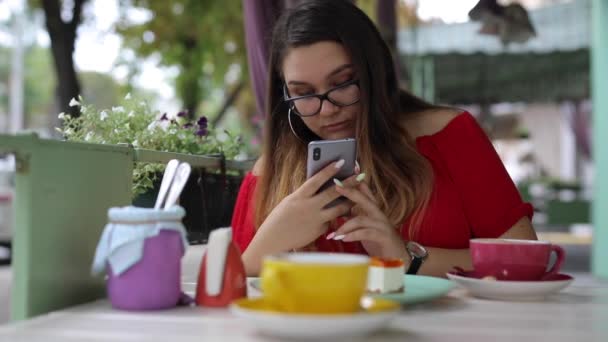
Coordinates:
[473,196]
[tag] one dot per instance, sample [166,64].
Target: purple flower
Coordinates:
[202,122]
[201,132]
[183,114]
[164,117]
[188,125]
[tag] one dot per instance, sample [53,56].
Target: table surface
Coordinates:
[578,313]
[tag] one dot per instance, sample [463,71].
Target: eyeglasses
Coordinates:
[346,94]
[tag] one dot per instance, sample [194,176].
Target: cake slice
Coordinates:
[385,275]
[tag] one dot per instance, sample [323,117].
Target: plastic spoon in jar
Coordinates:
[181,177]
[166,182]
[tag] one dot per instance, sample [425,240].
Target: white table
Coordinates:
[579,313]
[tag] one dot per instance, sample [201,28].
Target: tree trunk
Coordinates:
[63,38]
[387,25]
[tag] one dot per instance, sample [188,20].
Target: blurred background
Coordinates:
[521,67]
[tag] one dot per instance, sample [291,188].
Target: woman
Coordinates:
[426,173]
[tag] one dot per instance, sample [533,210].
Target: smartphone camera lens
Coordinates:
[316,154]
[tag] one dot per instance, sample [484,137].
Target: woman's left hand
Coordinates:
[369,225]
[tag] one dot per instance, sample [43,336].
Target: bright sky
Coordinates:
[450,11]
[97,48]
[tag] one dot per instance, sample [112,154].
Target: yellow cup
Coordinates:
[315,282]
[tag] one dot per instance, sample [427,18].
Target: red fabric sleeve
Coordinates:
[242,217]
[492,203]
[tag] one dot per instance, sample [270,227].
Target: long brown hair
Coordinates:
[399,177]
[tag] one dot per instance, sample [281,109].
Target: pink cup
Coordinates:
[507,259]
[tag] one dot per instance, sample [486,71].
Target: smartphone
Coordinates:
[323,152]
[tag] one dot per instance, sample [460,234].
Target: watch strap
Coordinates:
[414,265]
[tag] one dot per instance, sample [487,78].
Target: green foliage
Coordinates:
[100,90]
[134,122]
[39,85]
[204,39]
[369,7]
[39,92]
[39,82]
[5,66]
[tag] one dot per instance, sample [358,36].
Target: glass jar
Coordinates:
[141,250]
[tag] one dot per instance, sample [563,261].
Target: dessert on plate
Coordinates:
[385,275]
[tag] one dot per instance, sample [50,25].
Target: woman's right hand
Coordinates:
[301,217]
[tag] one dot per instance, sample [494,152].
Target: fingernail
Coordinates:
[357,167]
[360,177]
[339,164]
[338,183]
[339,237]
[330,235]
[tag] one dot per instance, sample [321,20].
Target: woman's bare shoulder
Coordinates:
[258,166]
[430,121]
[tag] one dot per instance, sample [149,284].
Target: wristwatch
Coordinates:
[418,253]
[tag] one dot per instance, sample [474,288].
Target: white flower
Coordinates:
[131,114]
[103,115]
[172,116]
[74,103]
[89,136]
[61,116]
[68,131]
[119,109]
[128,96]
[165,125]
[57,129]
[222,137]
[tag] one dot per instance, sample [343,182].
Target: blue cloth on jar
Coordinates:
[122,242]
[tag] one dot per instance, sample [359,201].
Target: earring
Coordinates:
[291,126]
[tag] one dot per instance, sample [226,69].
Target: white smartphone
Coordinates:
[323,152]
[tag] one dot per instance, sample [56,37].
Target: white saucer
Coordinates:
[511,290]
[324,327]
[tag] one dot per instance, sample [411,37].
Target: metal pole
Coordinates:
[16,79]
[599,86]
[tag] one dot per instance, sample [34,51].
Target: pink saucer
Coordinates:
[472,274]
[510,290]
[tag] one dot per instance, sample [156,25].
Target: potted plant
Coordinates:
[209,194]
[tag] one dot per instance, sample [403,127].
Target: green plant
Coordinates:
[134,122]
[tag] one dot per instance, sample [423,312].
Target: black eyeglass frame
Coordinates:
[321,97]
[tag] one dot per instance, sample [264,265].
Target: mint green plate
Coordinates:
[418,289]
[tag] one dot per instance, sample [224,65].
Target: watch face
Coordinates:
[416,249]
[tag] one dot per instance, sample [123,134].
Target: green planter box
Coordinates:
[62,194]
